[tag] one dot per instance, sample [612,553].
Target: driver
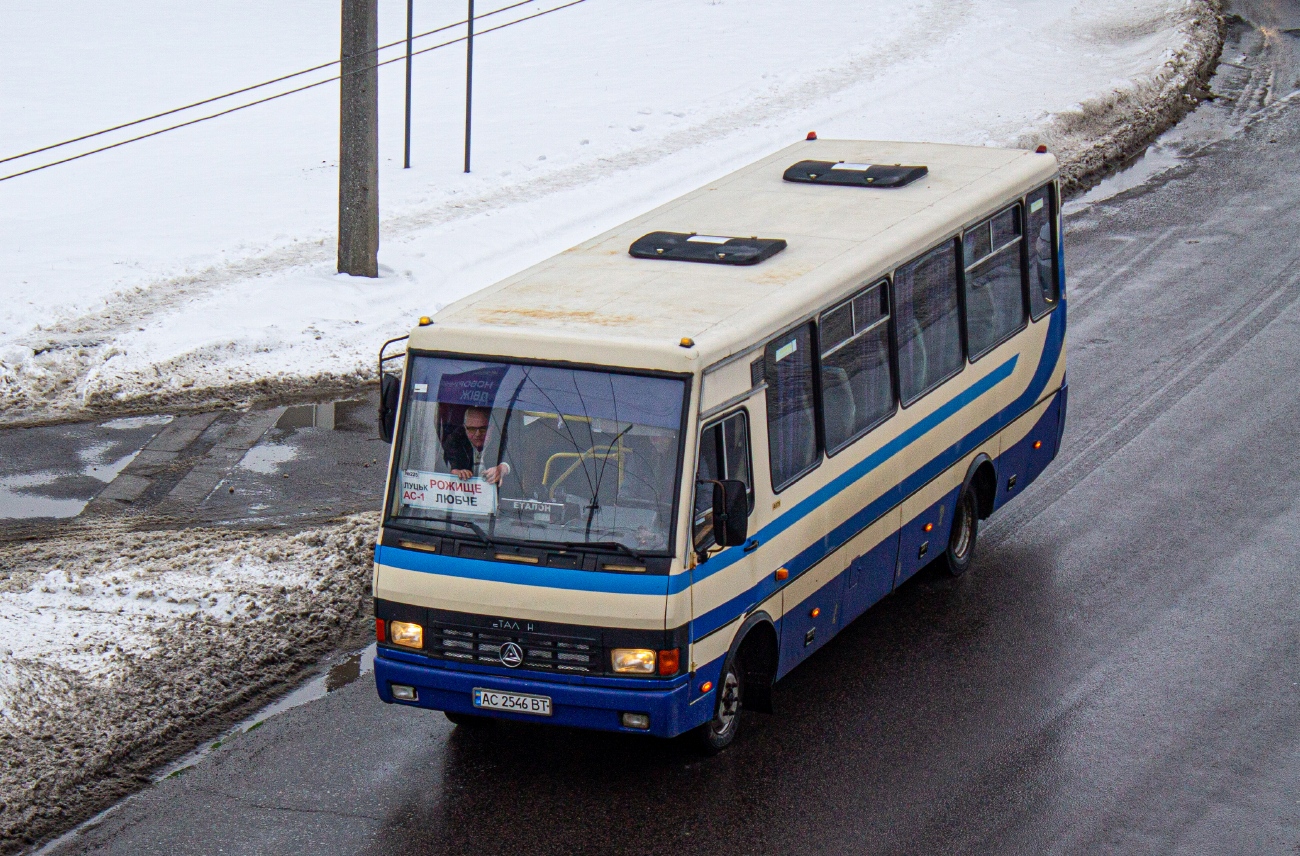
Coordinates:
[466,459]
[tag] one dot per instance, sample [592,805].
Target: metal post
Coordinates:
[358,250]
[469,79]
[410,33]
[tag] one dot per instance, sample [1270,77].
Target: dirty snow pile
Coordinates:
[118,646]
[196,266]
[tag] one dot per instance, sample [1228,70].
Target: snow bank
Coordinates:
[196,268]
[117,648]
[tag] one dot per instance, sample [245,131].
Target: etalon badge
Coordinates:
[511,655]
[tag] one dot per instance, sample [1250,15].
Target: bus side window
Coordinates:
[995,302]
[857,378]
[928,321]
[724,454]
[1040,232]
[791,411]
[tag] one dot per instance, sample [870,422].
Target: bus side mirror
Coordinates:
[390,387]
[730,512]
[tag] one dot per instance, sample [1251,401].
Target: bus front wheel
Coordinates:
[720,731]
[965,527]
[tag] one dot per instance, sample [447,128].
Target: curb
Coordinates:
[1093,140]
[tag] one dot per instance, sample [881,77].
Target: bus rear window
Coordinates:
[1044,283]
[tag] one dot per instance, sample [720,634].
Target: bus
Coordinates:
[634,485]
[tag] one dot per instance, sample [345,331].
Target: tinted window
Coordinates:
[1040,221]
[857,381]
[724,454]
[995,303]
[928,321]
[791,425]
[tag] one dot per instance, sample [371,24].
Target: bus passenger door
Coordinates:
[725,584]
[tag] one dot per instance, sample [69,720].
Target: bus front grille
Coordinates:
[541,652]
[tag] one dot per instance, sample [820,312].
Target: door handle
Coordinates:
[751,545]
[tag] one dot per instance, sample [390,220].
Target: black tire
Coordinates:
[965,528]
[467,720]
[720,731]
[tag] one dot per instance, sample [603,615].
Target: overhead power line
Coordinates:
[253,87]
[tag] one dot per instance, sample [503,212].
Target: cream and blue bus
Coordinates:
[636,484]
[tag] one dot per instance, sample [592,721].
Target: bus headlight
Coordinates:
[637,661]
[406,634]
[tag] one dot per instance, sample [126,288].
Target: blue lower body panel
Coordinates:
[577,705]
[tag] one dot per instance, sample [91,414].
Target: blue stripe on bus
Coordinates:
[723,614]
[613,583]
[530,575]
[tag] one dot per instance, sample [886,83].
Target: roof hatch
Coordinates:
[710,249]
[854,174]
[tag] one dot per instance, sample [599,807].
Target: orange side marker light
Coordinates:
[706,686]
[929,527]
[817,610]
[1038,444]
[782,574]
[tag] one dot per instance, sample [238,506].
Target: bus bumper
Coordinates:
[577,705]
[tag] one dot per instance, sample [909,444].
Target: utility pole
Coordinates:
[359,140]
[469,78]
[410,34]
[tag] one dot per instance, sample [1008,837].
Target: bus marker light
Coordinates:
[669,660]
[425,320]
[636,720]
[1042,149]
[406,634]
[929,527]
[402,692]
[687,342]
[379,630]
[706,686]
[1038,444]
[782,574]
[812,135]
[816,611]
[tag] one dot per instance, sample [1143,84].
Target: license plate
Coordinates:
[514,702]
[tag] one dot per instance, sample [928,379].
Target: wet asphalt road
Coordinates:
[1120,671]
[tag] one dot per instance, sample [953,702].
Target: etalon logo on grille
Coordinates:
[511,655]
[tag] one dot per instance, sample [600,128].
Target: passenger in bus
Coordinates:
[464,449]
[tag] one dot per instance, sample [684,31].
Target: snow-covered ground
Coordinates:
[117,645]
[198,265]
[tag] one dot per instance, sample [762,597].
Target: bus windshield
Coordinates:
[525,453]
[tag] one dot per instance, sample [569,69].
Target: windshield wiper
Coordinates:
[478,530]
[617,546]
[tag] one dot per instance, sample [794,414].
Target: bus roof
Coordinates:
[596,304]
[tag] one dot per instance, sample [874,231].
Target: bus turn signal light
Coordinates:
[669,660]
[406,634]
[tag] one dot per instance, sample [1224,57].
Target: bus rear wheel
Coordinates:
[720,731]
[965,528]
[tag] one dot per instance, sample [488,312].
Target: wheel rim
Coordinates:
[728,704]
[961,530]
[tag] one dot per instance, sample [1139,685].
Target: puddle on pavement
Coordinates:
[341,674]
[55,471]
[1259,66]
